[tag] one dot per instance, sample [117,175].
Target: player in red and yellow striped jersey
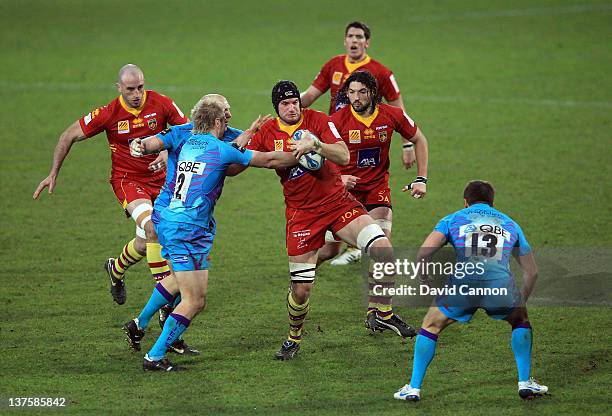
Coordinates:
[135,113]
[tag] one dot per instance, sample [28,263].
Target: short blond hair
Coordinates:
[206,111]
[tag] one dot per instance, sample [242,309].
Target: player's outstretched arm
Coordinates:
[243,140]
[146,146]
[310,96]
[72,134]
[530,274]
[336,152]
[273,160]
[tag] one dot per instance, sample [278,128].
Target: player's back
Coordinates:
[481,233]
[201,162]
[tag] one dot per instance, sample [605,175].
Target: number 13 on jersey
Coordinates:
[185,171]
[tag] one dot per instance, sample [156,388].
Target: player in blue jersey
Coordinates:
[487,238]
[134,330]
[184,222]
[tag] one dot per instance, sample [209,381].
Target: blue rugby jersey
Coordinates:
[482,233]
[199,164]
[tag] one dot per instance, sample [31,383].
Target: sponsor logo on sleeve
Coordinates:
[123,126]
[337,78]
[87,119]
[278,145]
[354,136]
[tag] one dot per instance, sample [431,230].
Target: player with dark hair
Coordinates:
[316,201]
[184,216]
[366,126]
[486,237]
[136,113]
[333,76]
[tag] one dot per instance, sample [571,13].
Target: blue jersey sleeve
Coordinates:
[521,242]
[231,134]
[443,226]
[168,137]
[231,154]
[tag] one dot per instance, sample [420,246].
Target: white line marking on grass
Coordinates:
[8,86]
[531,11]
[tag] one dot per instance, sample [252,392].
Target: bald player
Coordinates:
[136,182]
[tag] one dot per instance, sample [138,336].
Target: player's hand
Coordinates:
[159,163]
[49,181]
[408,158]
[300,147]
[137,148]
[417,188]
[259,121]
[349,181]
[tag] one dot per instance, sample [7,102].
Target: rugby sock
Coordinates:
[173,328]
[424,350]
[158,265]
[297,314]
[128,257]
[377,299]
[159,298]
[521,346]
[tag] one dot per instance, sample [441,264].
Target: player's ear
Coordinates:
[118,86]
[465,204]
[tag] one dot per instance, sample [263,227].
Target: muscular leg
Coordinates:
[302,269]
[193,286]
[521,342]
[425,346]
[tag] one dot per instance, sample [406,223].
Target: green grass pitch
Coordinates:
[516,92]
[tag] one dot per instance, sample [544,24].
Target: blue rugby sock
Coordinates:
[521,346]
[173,328]
[159,298]
[424,350]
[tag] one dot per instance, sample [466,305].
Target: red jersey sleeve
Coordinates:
[404,125]
[174,113]
[327,131]
[258,142]
[94,122]
[323,80]
[388,86]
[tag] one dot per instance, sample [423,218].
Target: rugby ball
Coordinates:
[311,160]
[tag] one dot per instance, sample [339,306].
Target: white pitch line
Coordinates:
[532,11]
[8,86]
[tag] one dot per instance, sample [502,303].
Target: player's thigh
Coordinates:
[350,232]
[192,284]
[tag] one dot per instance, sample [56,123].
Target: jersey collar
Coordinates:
[134,111]
[289,129]
[353,67]
[365,120]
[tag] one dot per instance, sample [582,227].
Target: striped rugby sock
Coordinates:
[128,257]
[297,314]
[158,265]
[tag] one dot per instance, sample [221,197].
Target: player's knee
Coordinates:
[140,244]
[199,304]
[302,272]
[372,236]
[150,233]
[328,251]
[300,292]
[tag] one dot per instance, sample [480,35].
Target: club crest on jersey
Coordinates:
[152,123]
[382,136]
[123,127]
[278,145]
[337,78]
[354,136]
